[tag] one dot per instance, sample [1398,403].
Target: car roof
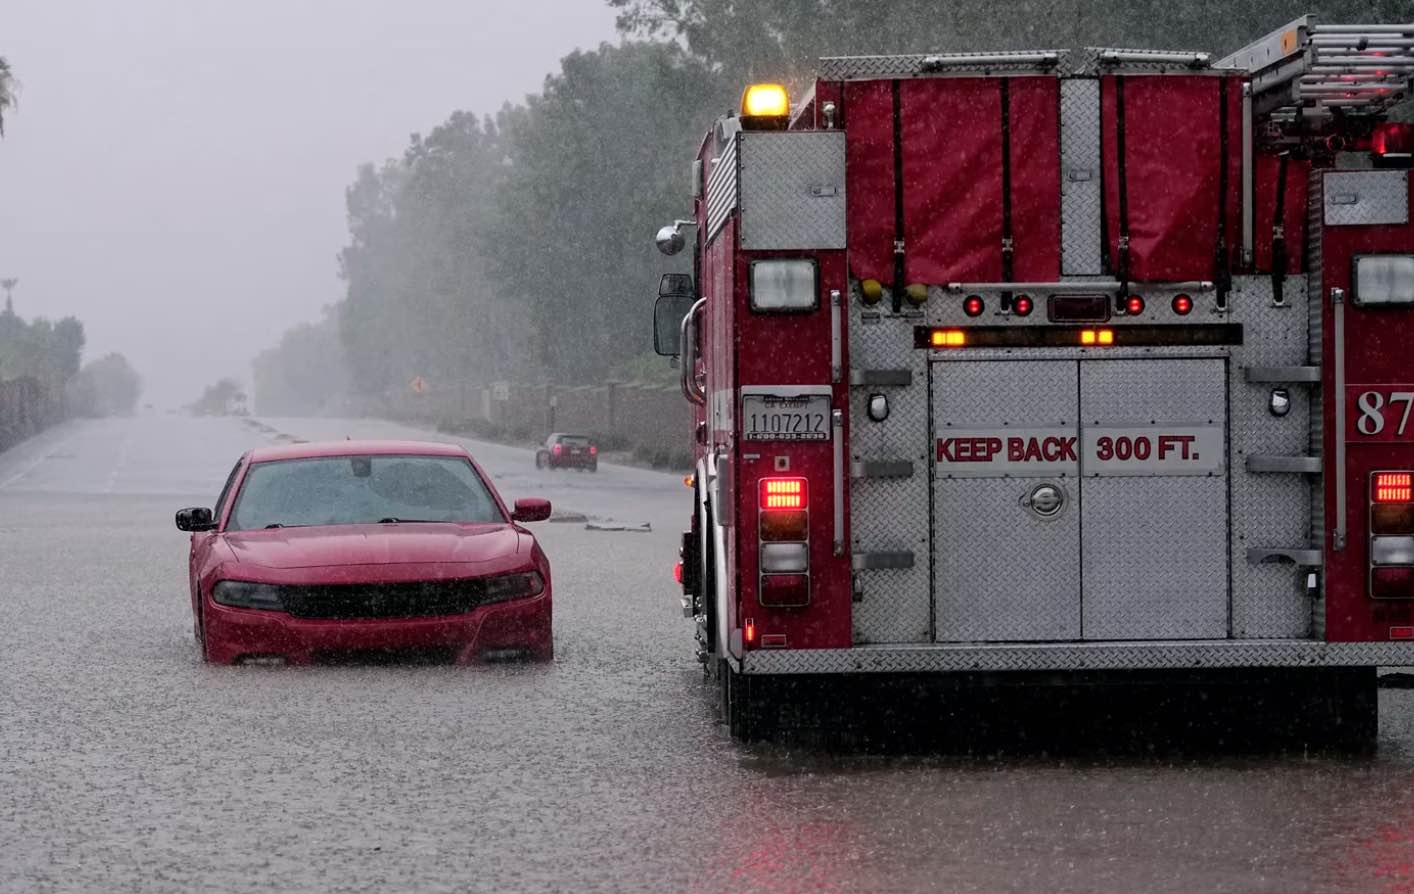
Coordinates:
[313,449]
[568,434]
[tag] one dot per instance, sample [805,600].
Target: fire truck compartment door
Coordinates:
[1006,537]
[1080,500]
[1153,501]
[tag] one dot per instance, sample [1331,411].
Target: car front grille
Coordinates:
[417,599]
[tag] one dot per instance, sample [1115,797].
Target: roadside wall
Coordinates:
[652,421]
[26,409]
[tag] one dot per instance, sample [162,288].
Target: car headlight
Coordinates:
[783,285]
[1384,279]
[512,586]
[244,594]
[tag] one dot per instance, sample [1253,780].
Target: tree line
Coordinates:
[519,245]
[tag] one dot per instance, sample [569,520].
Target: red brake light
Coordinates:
[1393,138]
[1134,306]
[750,632]
[557,449]
[973,306]
[1182,305]
[677,572]
[1393,487]
[783,493]
[593,450]
[1022,306]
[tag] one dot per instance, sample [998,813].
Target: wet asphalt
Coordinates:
[128,765]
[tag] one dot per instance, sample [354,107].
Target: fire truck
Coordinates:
[1081,363]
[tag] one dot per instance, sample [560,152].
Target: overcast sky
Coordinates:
[175,173]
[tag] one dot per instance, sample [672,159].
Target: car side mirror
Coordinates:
[668,312]
[195,519]
[531,509]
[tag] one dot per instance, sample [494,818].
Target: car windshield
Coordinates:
[574,441]
[354,490]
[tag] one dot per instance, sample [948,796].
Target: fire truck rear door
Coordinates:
[1154,499]
[1005,508]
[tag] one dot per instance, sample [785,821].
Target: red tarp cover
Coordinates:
[952,172]
[869,165]
[1172,151]
[1293,212]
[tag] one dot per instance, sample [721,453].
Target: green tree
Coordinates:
[107,386]
[306,373]
[224,398]
[783,38]
[597,161]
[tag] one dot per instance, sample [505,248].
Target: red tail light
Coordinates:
[593,450]
[1393,139]
[1022,306]
[557,449]
[1182,305]
[750,632]
[1134,306]
[1394,487]
[784,493]
[973,306]
[677,572]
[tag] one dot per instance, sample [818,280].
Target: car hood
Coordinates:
[422,544]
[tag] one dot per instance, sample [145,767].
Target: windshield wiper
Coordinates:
[274,525]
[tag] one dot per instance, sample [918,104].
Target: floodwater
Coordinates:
[128,765]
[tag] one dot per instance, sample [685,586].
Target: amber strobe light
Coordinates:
[765,101]
[1394,487]
[949,338]
[783,494]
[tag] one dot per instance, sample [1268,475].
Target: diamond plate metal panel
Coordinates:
[1315,294]
[1154,558]
[1269,511]
[722,189]
[1080,177]
[890,514]
[953,657]
[1030,590]
[855,68]
[1154,551]
[1366,197]
[792,191]
[1020,393]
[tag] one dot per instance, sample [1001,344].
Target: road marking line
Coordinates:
[37,463]
[118,466]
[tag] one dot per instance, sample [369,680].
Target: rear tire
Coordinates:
[539,460]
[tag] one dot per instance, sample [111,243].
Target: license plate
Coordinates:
[768,417]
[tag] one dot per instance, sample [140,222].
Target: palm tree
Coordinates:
[7,92]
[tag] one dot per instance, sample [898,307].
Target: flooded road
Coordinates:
[128,765]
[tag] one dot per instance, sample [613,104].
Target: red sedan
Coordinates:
[366,547]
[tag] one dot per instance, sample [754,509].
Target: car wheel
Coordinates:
[539,460]
[200,633]
[593,467]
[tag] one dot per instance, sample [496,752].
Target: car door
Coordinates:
[202,541]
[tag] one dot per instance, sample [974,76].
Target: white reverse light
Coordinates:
[783,285]
[1384,279]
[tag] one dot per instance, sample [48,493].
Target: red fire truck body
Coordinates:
[1057,361]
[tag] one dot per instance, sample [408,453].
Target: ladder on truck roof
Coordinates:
[1319,70]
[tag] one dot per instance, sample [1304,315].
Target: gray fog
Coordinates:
[175,172]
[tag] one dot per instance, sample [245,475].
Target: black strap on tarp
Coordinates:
[1122,259]
[1222,278]
[1279,234]
[1008,245]
[898,200]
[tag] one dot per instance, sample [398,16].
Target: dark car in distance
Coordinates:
[568,451]
[317,550]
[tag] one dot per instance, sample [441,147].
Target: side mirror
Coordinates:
[668,312]
[676,284]
[670,239]
[531,509]
[195,519]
